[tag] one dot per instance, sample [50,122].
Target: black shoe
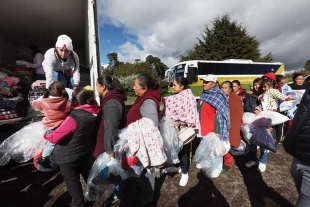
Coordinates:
[111,200]
[43,161]
[225,167]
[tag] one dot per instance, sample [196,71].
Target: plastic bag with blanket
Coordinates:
[241,150]
[24,144]
[269,118]
[172,144]
[129,162]
[104,173]
[246,132]
[262,137]
[210,154]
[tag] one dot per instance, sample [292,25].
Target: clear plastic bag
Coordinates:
[262,137]
[210,146]
[24,144]
[290,105]
[269,118]
[241,150]
[248,117]
[103,176]
[210,154]
[212,166]
[172,144]
[52,164]
[246,132]
[128,161]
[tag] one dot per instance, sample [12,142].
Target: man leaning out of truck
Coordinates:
[62,63]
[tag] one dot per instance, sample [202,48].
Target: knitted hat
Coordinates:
[270,75]
[64,42]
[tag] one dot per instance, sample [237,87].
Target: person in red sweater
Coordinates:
[56,107]
[213,109]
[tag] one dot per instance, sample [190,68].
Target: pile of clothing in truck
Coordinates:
[13,90]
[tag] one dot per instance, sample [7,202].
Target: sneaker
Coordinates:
[250,164]
[111,200]
[184,179]
[198,166]
[261,167]
[225,167]
[43,161]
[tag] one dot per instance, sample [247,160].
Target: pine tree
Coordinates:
[226,40]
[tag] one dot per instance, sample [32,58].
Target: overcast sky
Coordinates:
[169,28]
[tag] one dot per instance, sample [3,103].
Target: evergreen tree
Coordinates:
[307,65]
[226,40]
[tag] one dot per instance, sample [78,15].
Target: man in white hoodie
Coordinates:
[62,63]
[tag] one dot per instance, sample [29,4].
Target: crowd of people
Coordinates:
[81,130]
[80,133]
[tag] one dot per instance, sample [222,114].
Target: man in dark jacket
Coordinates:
[297,144]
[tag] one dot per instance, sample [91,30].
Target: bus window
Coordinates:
[250,69]
[206,68]
[222,69]
[237,69]
[192,73]
[262,69]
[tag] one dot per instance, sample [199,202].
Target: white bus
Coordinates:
[233,69]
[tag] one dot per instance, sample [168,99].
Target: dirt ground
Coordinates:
[23,185]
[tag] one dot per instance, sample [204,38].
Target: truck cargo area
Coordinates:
[40,22]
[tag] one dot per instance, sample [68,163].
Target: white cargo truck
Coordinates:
[40,22]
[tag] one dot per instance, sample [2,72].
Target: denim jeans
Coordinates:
[263,154]
[48,149]
[301,175]
[67,80]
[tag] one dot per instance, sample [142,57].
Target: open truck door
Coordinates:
[40,22]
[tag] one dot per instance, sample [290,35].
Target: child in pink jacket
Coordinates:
[56,107]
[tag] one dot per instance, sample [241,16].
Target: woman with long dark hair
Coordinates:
[182,109]
[146,105]
[113,118]
[38,58]
[74,139]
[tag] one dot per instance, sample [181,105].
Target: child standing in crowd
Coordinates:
[56,107]
[281,82]
[284,88]
[271,96]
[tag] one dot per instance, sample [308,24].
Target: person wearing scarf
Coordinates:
[213,109]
